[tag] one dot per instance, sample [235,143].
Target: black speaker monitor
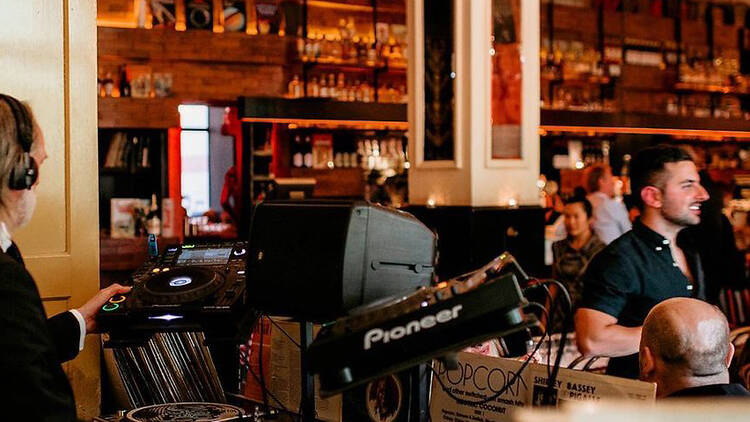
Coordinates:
[315,260]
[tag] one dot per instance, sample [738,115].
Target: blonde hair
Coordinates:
[10,148]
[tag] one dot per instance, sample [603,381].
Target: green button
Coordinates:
[110,307]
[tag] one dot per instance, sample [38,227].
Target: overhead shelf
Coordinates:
[322,111]
[642,123]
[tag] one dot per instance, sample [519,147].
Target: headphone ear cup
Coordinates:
[24,173]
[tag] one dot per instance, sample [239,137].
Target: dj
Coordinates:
[33,346]
[646,265]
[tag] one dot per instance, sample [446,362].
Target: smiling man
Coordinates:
[646,265]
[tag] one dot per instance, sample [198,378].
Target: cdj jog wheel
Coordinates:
[181,285]
[183,412]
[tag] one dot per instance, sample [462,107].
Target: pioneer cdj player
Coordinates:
[192,287]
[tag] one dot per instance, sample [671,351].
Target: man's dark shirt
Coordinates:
[33,385]
[712,391]
[633,274]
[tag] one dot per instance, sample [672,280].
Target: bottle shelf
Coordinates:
[592,80]
[604,122]
[709,89]
[354,66]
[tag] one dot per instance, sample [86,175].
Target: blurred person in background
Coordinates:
[571,256]
[611,219]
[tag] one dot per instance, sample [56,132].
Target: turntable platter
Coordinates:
[181,285]
[183,412]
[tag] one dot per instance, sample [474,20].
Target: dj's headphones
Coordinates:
[25,171]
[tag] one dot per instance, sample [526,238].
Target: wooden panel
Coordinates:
[694,33]
[49,60]
[344,182]
[157,113]
[32,63]
[645,26]
[575,19]
[647,77]
[726,36]
[202,46]
[613,24]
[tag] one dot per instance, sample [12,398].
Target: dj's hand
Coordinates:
[90,308]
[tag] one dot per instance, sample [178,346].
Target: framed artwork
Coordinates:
[506,82]
[435,88]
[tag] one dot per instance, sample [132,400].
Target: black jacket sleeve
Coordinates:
[66,335]
[32,381]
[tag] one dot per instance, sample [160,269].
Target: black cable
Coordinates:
[283,331]
[541,308]
[561,287]
[550,324]
[269,393]
[563,333]
[546,332]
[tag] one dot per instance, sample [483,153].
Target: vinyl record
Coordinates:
[181,285]
[180,412]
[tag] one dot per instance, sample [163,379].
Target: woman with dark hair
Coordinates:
[573,254]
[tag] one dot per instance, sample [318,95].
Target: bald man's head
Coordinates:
[684,338]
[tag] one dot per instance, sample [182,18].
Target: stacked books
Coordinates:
[128,152]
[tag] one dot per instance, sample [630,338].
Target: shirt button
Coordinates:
[690,287]
[674,264]
[665,241]
[658,248]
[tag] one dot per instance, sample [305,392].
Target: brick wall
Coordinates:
[204,66]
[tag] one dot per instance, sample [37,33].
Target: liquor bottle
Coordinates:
[357,91]
[314,89]
[336,49]
[361,49]
[99,84]
[332,90]
[153,223]
[124,83]
[323,87]
[109,84]
[308,158]
[350,91]
[297,155]
[372,53]
[309,48]
[341,88]
[295,89]
[625,174]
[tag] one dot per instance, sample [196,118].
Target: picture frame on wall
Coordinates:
[434,111]
[513,67]
[506,80]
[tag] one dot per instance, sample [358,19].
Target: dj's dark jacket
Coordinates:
[33,385]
